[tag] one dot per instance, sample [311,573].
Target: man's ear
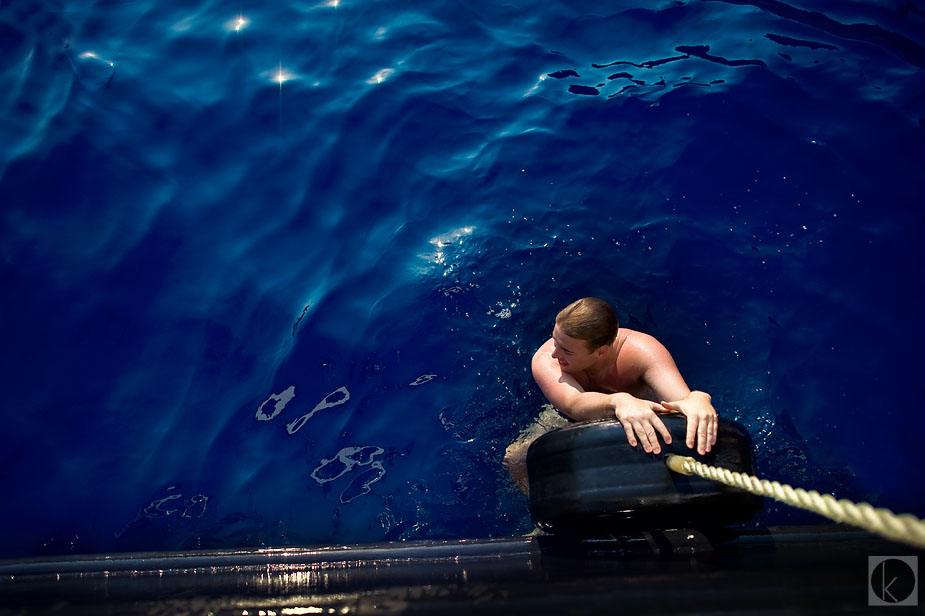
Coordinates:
[602,350]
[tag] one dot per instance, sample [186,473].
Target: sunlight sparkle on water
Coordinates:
[381,76]
[535,86]
[237,24]
[443,240]
[91,55]
[280,76]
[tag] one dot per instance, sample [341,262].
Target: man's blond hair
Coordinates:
[589,319]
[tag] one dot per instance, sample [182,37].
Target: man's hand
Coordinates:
[701,419]
[639,420]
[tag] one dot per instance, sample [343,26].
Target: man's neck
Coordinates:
[601,369]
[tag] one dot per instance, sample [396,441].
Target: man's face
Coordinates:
[571,353]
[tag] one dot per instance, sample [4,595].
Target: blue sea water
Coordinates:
[272,273]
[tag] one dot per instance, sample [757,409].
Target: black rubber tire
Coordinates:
[586,480]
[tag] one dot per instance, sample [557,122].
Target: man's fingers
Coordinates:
[643,437]
[662,429]
[692,425]
[654,445]
[644,430]
[630,437]
[651,427]
[706,433]
[646,435]
[703,436]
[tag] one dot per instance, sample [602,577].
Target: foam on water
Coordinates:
[341,396]
[344,462]
[280,401]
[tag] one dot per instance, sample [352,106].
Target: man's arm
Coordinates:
[566,394]
[663,376]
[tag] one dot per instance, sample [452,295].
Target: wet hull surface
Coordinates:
[817,569]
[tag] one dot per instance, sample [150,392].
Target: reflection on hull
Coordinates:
[778,570]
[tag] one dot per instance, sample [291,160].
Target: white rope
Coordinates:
[904,528]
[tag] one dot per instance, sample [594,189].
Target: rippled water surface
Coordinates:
[272,273]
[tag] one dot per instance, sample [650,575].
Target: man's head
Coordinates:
[590,320]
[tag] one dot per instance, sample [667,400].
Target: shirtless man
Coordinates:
[593,369]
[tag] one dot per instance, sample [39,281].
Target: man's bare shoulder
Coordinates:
[543,356]
[643,352]
[640,350]
[639,340]
[545,348]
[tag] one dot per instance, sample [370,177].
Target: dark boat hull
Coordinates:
[818,570]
